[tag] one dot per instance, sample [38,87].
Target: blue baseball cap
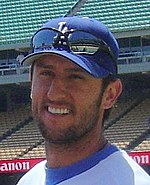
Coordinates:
[85,41]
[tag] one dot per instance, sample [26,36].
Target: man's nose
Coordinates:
[57,90]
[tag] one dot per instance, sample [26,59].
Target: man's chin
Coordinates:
[59,137]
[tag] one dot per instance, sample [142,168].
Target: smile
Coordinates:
[61,111]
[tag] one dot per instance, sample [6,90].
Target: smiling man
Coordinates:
[74,84]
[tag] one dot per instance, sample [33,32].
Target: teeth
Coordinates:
[58,111]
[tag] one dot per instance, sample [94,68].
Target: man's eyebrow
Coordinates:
[69,69]
[75,70]
[42,65]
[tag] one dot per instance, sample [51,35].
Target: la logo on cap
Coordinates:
[62,28]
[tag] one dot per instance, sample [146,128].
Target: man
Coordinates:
[74,84]
[20,58]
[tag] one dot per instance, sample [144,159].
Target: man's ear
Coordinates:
[111,94]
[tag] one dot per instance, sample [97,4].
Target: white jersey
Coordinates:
[112,167]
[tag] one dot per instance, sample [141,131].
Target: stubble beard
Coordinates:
[86,122]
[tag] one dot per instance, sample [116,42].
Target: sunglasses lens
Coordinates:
[82,42]
[43,39]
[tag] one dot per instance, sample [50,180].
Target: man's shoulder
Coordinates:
[124,167]
[37,174]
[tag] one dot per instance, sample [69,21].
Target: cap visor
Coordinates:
[88,65]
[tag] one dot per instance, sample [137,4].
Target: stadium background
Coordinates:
[21,145]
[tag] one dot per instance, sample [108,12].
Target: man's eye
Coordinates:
[46,73]
[76,76]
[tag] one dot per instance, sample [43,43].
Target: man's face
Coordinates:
[66,100]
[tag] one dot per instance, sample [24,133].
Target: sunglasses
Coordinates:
[76,41]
